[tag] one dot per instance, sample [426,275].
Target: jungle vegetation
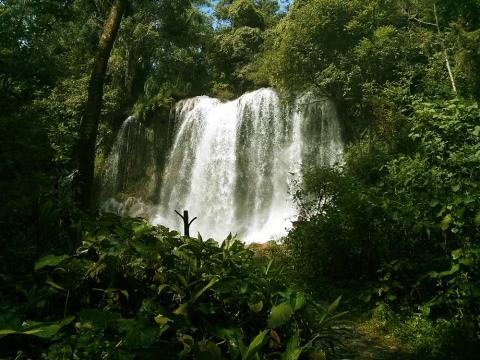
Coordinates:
[395,228]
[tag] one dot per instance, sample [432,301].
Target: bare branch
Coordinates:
[449,69]
[413,17]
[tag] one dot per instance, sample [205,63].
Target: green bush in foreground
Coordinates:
[134,291]
[403,221]
[427,338]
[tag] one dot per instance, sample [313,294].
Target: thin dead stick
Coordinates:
[186,223]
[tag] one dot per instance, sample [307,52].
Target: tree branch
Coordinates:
[449,69]
[420,21]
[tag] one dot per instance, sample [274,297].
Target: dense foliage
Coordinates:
[368,55]
[384,206]
[134,291]
[399,219]
[402,213]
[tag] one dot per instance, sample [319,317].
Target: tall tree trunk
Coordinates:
[89,123]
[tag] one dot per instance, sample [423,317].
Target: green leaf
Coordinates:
[161,288]
[333,306]
[326,317]
[453,270]
[392,297]
[476,131]
[292,351]
[257,307]
[208,350]
[255,345]
[456,254]
[299,301]
[279,315]
[328,320]
[477,219]
[140,229]
[124,293]
[182,310]
[228,242]
[45,330]
[53,284]
[267,269]
[182,280]
[205,288]
[162,319]
[8,331]
[49,260]
[446,221]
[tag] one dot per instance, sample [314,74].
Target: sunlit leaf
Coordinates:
[45,330]
[446,221]
[279,315]
[49,260]
[162,319]
[257,307]
[255,345]
[205,288]
[292,351]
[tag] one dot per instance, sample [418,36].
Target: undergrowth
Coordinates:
[136,291]
[423,337]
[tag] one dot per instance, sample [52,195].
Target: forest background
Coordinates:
[399,234]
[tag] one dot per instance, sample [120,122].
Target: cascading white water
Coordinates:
[231,162]
[131,163]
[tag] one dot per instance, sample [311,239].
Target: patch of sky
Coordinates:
[208,7]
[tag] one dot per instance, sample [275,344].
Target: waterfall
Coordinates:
[231,163]
[130,164]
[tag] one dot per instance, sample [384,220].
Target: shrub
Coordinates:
[132,290]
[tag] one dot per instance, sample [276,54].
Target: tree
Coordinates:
[238,41]
[89,124]
[436,24]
